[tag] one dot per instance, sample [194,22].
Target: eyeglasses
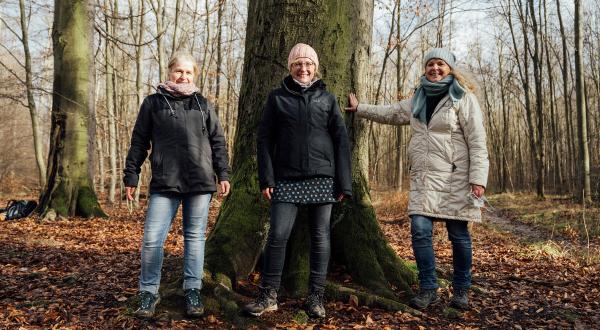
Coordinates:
[298,65]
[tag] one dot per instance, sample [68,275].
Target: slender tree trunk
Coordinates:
[33,113]
[537,73]
[399,87]
[221,6]
[205,66]
[341,34]
[557,170]
[566,97]
[110,105]
[139,87]
[159,13]
[175,45]
[584,192]
[69,190]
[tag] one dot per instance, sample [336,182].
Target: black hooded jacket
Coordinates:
[302,135]
[188,146]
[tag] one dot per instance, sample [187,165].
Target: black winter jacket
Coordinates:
[302,135]
[188,146]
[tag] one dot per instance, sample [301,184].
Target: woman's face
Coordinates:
[436,70]
[182,72]
[303,70]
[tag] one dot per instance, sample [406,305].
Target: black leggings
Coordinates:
[283,216]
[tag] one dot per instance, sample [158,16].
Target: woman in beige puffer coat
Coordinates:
[448,167]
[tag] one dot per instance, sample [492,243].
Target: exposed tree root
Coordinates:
[342,293]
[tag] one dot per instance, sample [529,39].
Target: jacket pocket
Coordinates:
[157,164]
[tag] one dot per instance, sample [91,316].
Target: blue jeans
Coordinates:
[161,211]
[421,228]
[283,216]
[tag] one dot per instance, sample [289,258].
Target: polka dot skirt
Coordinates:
[307,191]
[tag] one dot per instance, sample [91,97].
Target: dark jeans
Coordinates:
[283,216]
[421,228]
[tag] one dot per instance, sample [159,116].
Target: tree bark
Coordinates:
[33,113]
[110,104]
[340,31]
[69,190]
[584,191]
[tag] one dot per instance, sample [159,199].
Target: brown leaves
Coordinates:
[82,274]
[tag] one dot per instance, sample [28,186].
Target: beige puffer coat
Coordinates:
[446,156]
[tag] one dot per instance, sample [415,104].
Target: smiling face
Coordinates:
[303,70]
[436,69]
[182,72]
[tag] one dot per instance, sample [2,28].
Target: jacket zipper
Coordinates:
[201,114]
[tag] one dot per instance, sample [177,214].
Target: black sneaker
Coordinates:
[265,302]
[193,303]
[314,304]
[425,298]
[460,298]
[148,302]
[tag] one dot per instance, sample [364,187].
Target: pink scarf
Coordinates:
[175,89]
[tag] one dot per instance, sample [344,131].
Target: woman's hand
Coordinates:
[477,190]
[129,193]
[352,103]
[267,192]
[341,197]
[225,187]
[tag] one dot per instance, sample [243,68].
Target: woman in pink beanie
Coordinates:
[303,162]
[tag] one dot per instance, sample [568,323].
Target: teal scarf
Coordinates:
[447,85]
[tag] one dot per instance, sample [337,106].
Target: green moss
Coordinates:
[300,317]
[235,243]
[87,203]
[451,313]
[58,200]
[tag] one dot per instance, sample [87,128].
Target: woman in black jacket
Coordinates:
[188,152]
[303,160]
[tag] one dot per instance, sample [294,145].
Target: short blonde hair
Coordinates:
[183,56]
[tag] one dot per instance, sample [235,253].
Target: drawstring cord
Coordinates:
[173,114]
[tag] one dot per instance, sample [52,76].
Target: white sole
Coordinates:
[270,309]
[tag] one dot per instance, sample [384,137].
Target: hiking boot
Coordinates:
[265,302]
[424,298]
[148,302]
[193,303]
[460,298]
[314,304]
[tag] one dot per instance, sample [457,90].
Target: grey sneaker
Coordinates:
[193,303]
[460,298]
[314,304]
[425,298]
[148,302]
[265,302]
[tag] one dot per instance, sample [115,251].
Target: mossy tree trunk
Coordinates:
[69,190]
[340,31]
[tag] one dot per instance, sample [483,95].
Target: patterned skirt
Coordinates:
[305,191]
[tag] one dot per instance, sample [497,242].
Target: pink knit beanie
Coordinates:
[303,50]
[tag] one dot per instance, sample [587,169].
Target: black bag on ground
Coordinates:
[18,209]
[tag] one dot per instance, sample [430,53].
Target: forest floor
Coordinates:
[533,267]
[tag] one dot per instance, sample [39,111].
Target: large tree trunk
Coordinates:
[340,32]
[69,190]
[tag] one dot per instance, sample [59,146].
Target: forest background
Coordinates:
[525,57]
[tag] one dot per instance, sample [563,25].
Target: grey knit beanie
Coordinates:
[441,53]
